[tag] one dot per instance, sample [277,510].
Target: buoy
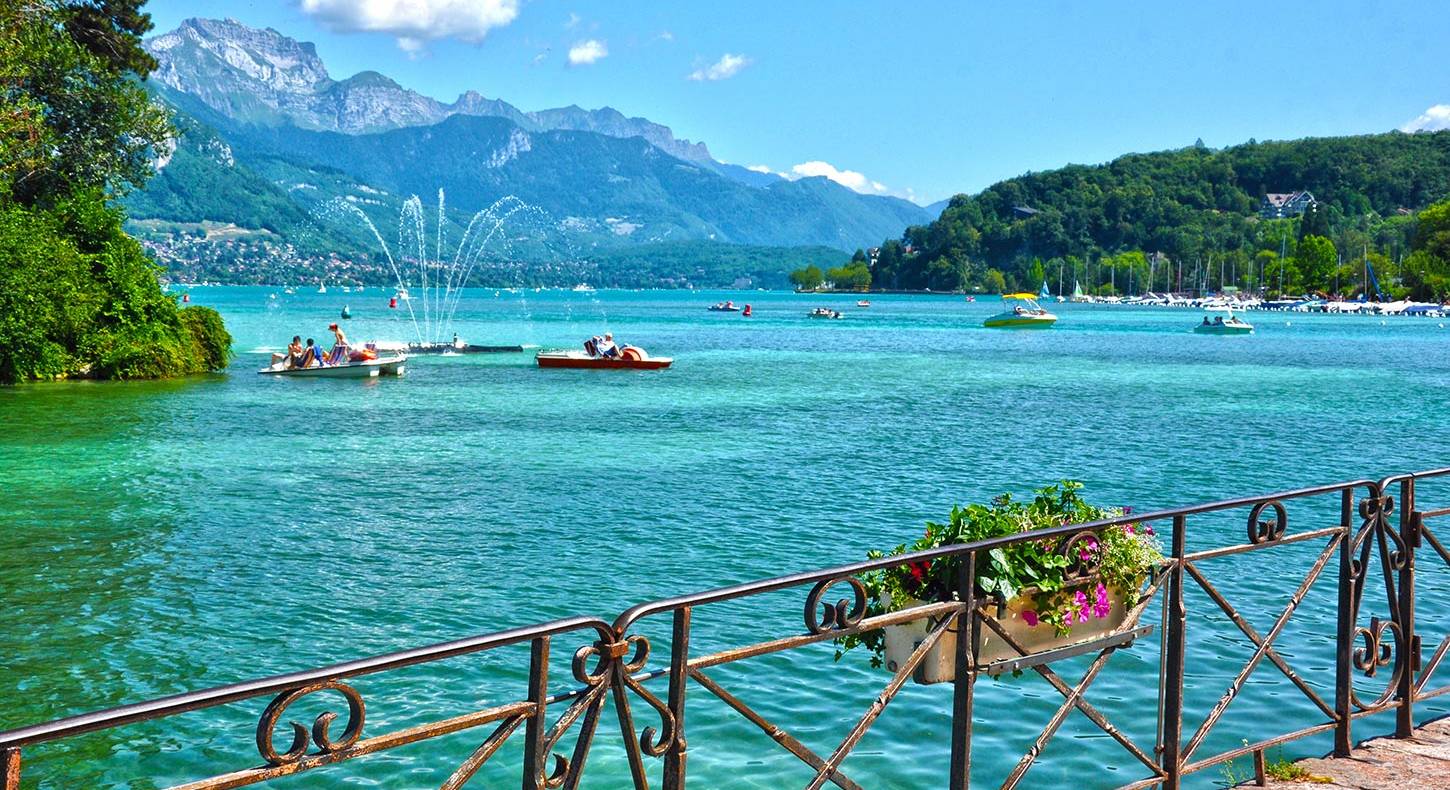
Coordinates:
[747,311]
[393,303]
[346,313]
[185,298]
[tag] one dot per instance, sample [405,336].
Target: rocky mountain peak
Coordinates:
[228,47]
[260,76]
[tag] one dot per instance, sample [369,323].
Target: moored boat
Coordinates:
[723,307]
[630,358]
[824,312]
[863,303]
[1026,313]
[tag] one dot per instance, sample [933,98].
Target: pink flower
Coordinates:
[1029,617]
[1148,528]
[1081,602]
[1127,510]
[1085,553]
[1101,606]
[1128,528]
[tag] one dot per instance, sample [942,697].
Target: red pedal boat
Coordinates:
[630,358]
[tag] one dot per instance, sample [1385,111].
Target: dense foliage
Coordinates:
[1187,220]
[77,295]
[1120,559]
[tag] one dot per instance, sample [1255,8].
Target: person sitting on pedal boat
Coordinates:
[607,348]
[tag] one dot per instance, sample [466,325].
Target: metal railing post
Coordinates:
[10,769]
[1344,632]
[537,726]
[966,676]
[674,778]
[1172,680]
[1410,652]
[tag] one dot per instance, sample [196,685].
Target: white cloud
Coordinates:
[587,52]
[666,35]
[723,69]
[1432,120]
[760,168]
[415,22]
[846,178]
[573,22]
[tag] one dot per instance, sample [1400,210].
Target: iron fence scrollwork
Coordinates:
[613,666]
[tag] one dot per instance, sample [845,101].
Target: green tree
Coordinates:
[1426,271]
[1316,259]
[1315,222]
[1432,230]
[77,295]
[76,116]
[808,279]
[993,282]
[886,273]
[851,277]
[1037,274]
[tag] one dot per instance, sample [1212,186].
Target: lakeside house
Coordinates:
[1282,205]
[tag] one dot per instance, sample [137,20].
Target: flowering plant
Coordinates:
[1069,583]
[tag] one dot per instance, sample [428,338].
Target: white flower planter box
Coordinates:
[939,665]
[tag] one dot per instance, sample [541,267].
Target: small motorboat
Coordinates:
[863,303]
[630,358]
[391,365]
[1232,325]
[723,307]
[1026,313]
[824,312]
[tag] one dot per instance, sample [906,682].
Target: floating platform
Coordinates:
[461,348]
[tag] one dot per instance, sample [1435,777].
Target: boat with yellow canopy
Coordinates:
[1026,313]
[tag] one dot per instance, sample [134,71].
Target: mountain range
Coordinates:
[268,140]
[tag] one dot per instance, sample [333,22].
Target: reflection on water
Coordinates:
[163,537]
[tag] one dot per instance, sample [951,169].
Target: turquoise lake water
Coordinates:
[163,537]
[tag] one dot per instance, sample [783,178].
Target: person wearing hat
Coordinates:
[607,349]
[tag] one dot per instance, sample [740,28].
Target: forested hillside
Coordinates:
[1197,209]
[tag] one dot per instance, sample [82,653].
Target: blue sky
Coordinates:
[919,99]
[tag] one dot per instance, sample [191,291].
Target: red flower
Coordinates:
[918,571]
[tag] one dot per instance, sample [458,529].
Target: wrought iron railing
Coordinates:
[1379,532]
